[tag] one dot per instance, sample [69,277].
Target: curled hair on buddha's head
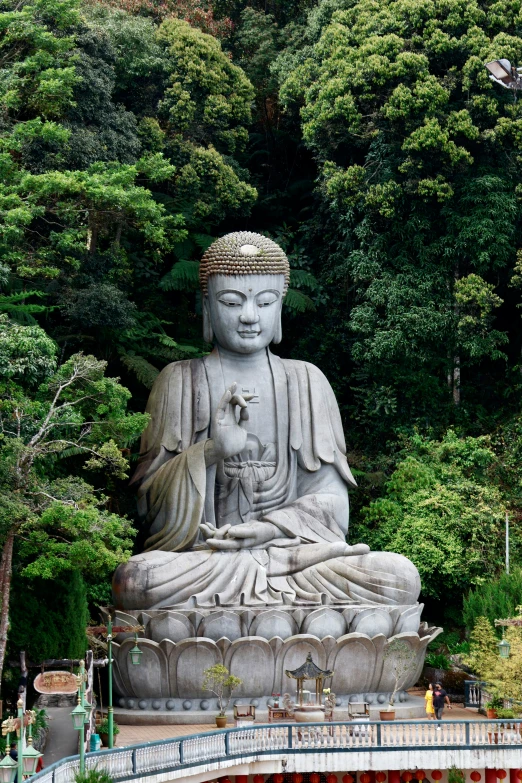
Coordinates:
[243,253]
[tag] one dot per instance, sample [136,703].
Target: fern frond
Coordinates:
[298,302]
[144,371]
[300,278]
[203,241]
[183,249]
[184,276]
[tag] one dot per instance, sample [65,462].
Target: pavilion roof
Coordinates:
[309,671]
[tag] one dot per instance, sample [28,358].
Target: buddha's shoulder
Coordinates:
[305,370]
[183,370]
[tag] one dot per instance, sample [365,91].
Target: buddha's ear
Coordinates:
[208,334]
[278,334]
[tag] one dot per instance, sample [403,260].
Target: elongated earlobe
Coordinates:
[278,334]
[208,334]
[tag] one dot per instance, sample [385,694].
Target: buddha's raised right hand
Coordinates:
[228,436]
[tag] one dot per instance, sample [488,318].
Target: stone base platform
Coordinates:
[411,709]
[259,645]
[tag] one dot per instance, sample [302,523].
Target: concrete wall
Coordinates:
[340,762]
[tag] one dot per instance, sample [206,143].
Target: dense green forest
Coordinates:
[362,135]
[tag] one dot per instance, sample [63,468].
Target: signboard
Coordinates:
[56,682]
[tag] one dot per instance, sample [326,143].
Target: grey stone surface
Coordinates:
[358,662]
[409,710]
[243,477]
[243,482]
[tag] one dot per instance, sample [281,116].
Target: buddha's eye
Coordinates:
[266,301]
[230,302]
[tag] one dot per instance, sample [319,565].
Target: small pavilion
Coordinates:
[309,671]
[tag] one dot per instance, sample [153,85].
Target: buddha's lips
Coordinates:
[248,333]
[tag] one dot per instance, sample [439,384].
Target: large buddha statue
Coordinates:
[243,478]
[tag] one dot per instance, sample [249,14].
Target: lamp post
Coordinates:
[503,73]
[504,647]
[80,715]
[135,656]
[25,766]
[8,765]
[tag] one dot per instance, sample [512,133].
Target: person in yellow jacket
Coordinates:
[428,698]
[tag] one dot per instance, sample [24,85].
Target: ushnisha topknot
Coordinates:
[243,253]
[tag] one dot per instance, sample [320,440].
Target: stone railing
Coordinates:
[180,753]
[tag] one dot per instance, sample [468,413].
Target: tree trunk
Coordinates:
[6,570]
[22,686]
[456,380]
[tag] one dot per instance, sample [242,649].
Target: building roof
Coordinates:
[308,671]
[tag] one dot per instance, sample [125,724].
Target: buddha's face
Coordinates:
[244,310]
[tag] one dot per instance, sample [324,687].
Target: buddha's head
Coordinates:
[244,278]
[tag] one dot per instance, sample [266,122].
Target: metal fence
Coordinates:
[149,758]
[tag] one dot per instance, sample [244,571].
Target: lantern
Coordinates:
[420,774]
[88,709]
[278,778]
[78,717]
[518,774]
[30,758]
[365,778]
[407,776]
[259,779]
[315,777]
[504,647]
[475,776]
[380,777]
[8,768]
[331,778]
[297,777]
[135,653]
[436,774]
[348,778]
[501,774]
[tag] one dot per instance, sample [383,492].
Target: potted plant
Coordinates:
[218,680]
[275,697]
[402,660]
[103,731]
[492,706]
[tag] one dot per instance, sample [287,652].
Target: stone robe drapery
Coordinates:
[299,484]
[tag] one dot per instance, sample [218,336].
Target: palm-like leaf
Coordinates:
[184,276]
[297,301]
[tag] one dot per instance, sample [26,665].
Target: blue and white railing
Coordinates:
[150,758]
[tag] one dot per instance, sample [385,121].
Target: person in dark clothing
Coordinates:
[440,699]
[13,751]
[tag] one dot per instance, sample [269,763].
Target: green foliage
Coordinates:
[420,217]
[483,648]
[62,522]
[94,775]
[218,680]
[48,617]
[103,728]
[496,599]
[437,661]
[442,509]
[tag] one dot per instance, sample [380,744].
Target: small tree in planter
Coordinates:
[103,731]
[218,680]
[403,660]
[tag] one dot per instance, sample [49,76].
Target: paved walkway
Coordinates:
[133,735]
[63,739]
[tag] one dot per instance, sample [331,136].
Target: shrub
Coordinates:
[496,599]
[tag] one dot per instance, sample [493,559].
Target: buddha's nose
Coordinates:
[249,314]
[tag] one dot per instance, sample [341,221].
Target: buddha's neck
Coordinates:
[247,361]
